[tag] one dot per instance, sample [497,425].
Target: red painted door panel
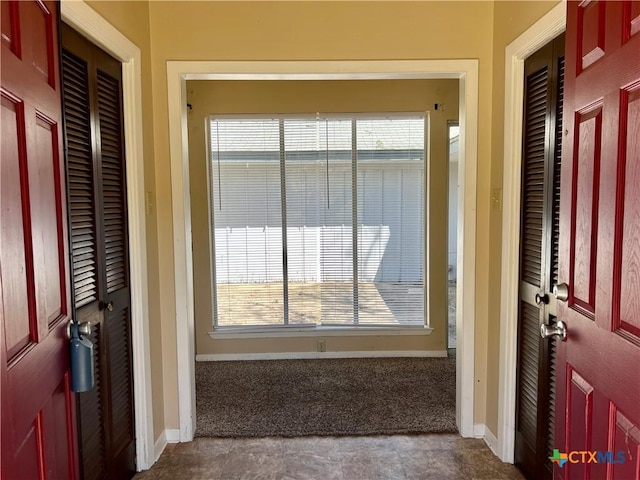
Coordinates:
[598,405]
[38,416]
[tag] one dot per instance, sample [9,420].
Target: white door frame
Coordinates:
[178,72]
[90,24]
[539,34]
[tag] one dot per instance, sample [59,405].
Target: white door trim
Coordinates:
[543,31]
[178,72]
[89,23]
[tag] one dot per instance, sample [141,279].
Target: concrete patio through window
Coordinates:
[252,304]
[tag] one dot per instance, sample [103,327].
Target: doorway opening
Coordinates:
[330,239]
[179,72]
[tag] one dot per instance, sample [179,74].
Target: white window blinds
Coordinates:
[318,220]
[247,222]
[390,182]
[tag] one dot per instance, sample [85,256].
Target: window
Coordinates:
[318,221]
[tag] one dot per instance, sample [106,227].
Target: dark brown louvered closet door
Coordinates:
[542,137]
[92,89]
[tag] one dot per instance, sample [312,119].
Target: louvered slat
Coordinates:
[557,156]
[100,254]
[91,420]
[533,175]
[80,175]
[112,181]
[120,374]
[555,235]
[551,428]
[536,372]
[528,374]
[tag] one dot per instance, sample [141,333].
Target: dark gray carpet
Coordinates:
[326,397]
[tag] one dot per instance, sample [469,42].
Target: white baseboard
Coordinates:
[491,440]
[173,435]
[159,446]
[216,357]
[166,437]
[480,430]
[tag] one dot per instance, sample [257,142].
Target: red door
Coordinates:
[38,417]
[598,406]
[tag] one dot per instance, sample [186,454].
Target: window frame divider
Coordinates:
[283,213]
[354,216]
[212,223]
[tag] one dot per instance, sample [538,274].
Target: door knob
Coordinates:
[542,299]
[74,328]
[561,292]
[558,330]
[109,306]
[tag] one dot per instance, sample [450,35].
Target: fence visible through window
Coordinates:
[318,221]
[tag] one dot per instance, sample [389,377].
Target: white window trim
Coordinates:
[285,331]
[317,115]
[256,331]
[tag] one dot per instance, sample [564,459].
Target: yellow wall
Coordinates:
[322,31]
[255,97]
[132,19]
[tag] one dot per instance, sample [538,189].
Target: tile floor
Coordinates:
[419,457]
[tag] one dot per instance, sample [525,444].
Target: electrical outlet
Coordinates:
[322,345]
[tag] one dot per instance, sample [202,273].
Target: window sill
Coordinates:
[281,331]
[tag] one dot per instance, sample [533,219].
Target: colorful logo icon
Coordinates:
[559,458]
[585,456]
